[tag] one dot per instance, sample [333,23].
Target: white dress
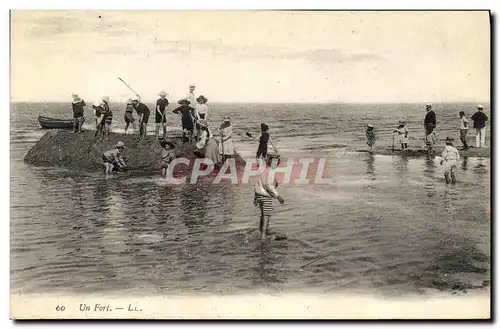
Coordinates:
[226,147]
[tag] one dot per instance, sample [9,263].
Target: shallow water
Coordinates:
[387,224]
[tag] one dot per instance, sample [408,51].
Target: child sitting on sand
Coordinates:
[167,156]
[370,136]
[402,132]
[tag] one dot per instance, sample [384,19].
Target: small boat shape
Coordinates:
[53,123]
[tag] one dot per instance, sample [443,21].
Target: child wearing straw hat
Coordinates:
[370,136]
[113,160]
[402,133]
[161,117]
[167,155]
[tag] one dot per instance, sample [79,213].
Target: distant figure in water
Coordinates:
[402,133]
[370,136]
[78,104]
[430,141]
[449,158]
[113,160]
[430,120]
[167,155]
[129,116]
[265,190]
[480,119]
[263,141]
[464,128]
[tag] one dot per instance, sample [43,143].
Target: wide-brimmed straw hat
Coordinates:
[203,123]
[227,119]
[428,105]
[120,144]
[163,93]
[166,142]
[201,99]
[183,102]
[134,99]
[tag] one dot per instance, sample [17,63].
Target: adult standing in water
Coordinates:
[226,146]
[161,116]
[78,105]
[265,190]
[187,114]
[191,97]
[480,119]
[144,113]
[429,121]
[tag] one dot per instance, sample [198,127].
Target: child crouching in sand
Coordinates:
[167,156]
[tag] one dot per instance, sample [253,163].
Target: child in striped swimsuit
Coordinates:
[265,191]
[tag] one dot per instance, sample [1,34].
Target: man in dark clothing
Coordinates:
[430,120]
[78,104]
[143,112]
[263,141]
[480,119]
[188,115]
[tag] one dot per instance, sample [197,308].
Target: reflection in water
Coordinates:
[465,163]
[370,167]
[430,172]
[400,163]
[270,266]
[370,189]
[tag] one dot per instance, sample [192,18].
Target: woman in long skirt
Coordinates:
[207,145]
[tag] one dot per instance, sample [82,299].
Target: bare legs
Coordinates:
[264,225]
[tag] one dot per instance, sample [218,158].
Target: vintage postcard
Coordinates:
[250,164]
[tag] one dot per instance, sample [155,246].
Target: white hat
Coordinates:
[74,95]
[428,105]
[134,98]
[480,107]
[163,93]
[370,126]
[120,144]
[227,119]
[105,98]
[98,103]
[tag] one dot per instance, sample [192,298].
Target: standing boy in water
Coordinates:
[263,141]
[450,157]
[265,191]
[464,128]
[370,136]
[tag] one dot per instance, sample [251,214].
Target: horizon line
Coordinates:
[291,102]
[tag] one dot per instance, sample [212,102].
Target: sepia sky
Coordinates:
[252,56]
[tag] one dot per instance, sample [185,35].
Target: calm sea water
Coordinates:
[389,224]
